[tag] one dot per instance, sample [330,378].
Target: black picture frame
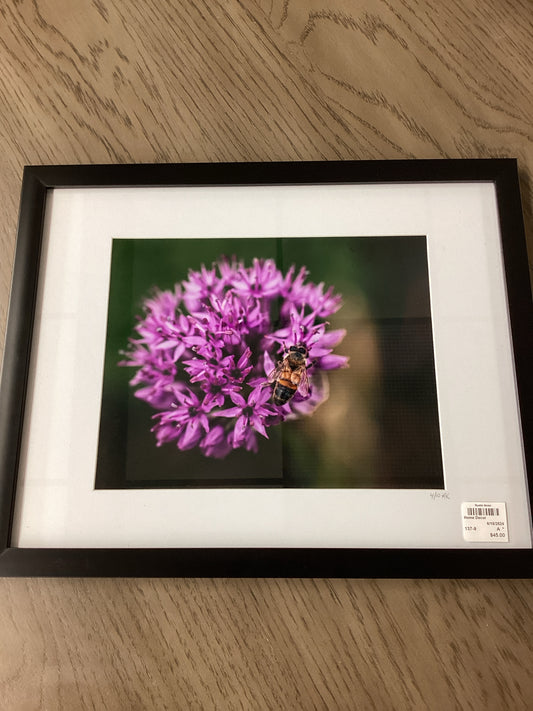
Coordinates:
[214,561]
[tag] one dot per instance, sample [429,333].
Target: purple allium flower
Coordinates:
[204,351]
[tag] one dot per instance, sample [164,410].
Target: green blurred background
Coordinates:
[379,427]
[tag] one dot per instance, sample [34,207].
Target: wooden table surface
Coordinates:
[231,80]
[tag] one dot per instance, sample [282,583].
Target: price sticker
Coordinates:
[484,522]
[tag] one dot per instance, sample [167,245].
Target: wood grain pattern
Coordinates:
[168,80]
[269,644]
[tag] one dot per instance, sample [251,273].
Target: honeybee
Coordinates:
[290,375]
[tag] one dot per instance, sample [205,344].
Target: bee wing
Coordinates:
[274,374]
[303,387]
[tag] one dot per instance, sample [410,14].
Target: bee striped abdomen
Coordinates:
[283,391]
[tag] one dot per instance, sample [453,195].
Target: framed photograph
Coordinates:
[279,369]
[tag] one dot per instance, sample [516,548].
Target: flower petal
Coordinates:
[332,362]
[191,435]
[330,339]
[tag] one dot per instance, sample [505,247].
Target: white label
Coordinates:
[484,522]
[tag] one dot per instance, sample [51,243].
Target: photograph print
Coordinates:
[270,362]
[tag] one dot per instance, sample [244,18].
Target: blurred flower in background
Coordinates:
[203,352]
